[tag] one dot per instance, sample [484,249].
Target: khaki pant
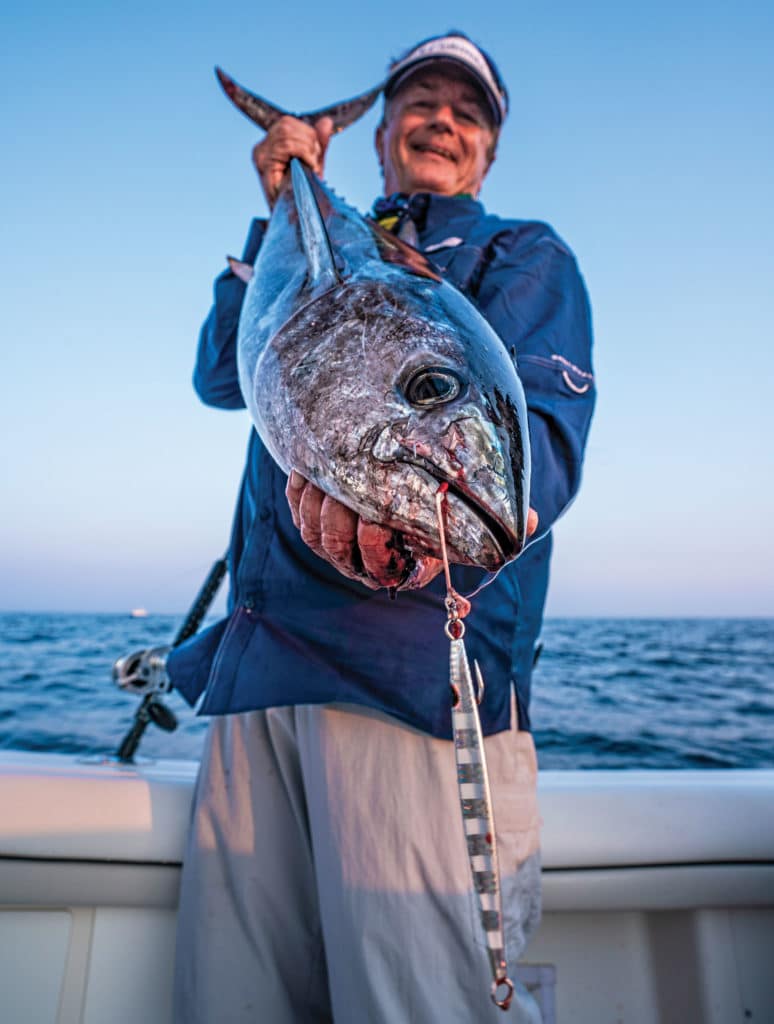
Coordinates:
[326,876]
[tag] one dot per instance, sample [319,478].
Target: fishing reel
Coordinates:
[143,672]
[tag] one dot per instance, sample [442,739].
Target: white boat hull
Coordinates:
[658,893]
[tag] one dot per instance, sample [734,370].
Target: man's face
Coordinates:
[437,135]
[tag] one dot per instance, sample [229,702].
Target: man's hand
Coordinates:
[287,138]
[532,522]
[375,555]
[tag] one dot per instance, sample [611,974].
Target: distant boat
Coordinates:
[139,613]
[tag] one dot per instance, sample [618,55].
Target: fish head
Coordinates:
[392,388]
[463,424]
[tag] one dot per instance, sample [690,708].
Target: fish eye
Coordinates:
[433,385]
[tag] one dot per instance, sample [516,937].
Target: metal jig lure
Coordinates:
[473,779]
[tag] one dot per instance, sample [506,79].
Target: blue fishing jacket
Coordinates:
[298,632]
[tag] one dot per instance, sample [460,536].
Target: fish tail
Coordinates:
[265,114]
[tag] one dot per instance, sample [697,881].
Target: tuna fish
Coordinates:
[375,378]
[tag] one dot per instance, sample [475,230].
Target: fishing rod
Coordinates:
[144,672]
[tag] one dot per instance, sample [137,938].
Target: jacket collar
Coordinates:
[428,210]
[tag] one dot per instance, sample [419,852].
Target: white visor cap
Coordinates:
[458,50]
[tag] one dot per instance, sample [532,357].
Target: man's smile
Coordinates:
[435,150]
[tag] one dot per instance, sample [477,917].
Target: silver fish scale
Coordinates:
[476,804]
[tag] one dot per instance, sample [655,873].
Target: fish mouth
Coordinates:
[504,540]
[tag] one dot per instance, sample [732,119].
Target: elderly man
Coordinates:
[326,877]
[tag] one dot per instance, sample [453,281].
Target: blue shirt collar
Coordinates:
[427,209]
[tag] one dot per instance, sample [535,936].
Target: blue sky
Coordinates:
[643,133]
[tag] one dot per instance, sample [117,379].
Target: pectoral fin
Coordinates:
[314,237]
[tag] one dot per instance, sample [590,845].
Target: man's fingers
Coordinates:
[324,131]
[382,556]
[532,522]
[309,514]
[293,491]
[287,138]
[375,555]
[326,526]
[338,527]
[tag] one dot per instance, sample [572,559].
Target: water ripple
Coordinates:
[607,693]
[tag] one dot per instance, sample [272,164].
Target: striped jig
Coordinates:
[473,781]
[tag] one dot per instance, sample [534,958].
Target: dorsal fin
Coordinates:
[394,250]
[314,237]
[264,114]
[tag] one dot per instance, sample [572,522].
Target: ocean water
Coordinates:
[607,693]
